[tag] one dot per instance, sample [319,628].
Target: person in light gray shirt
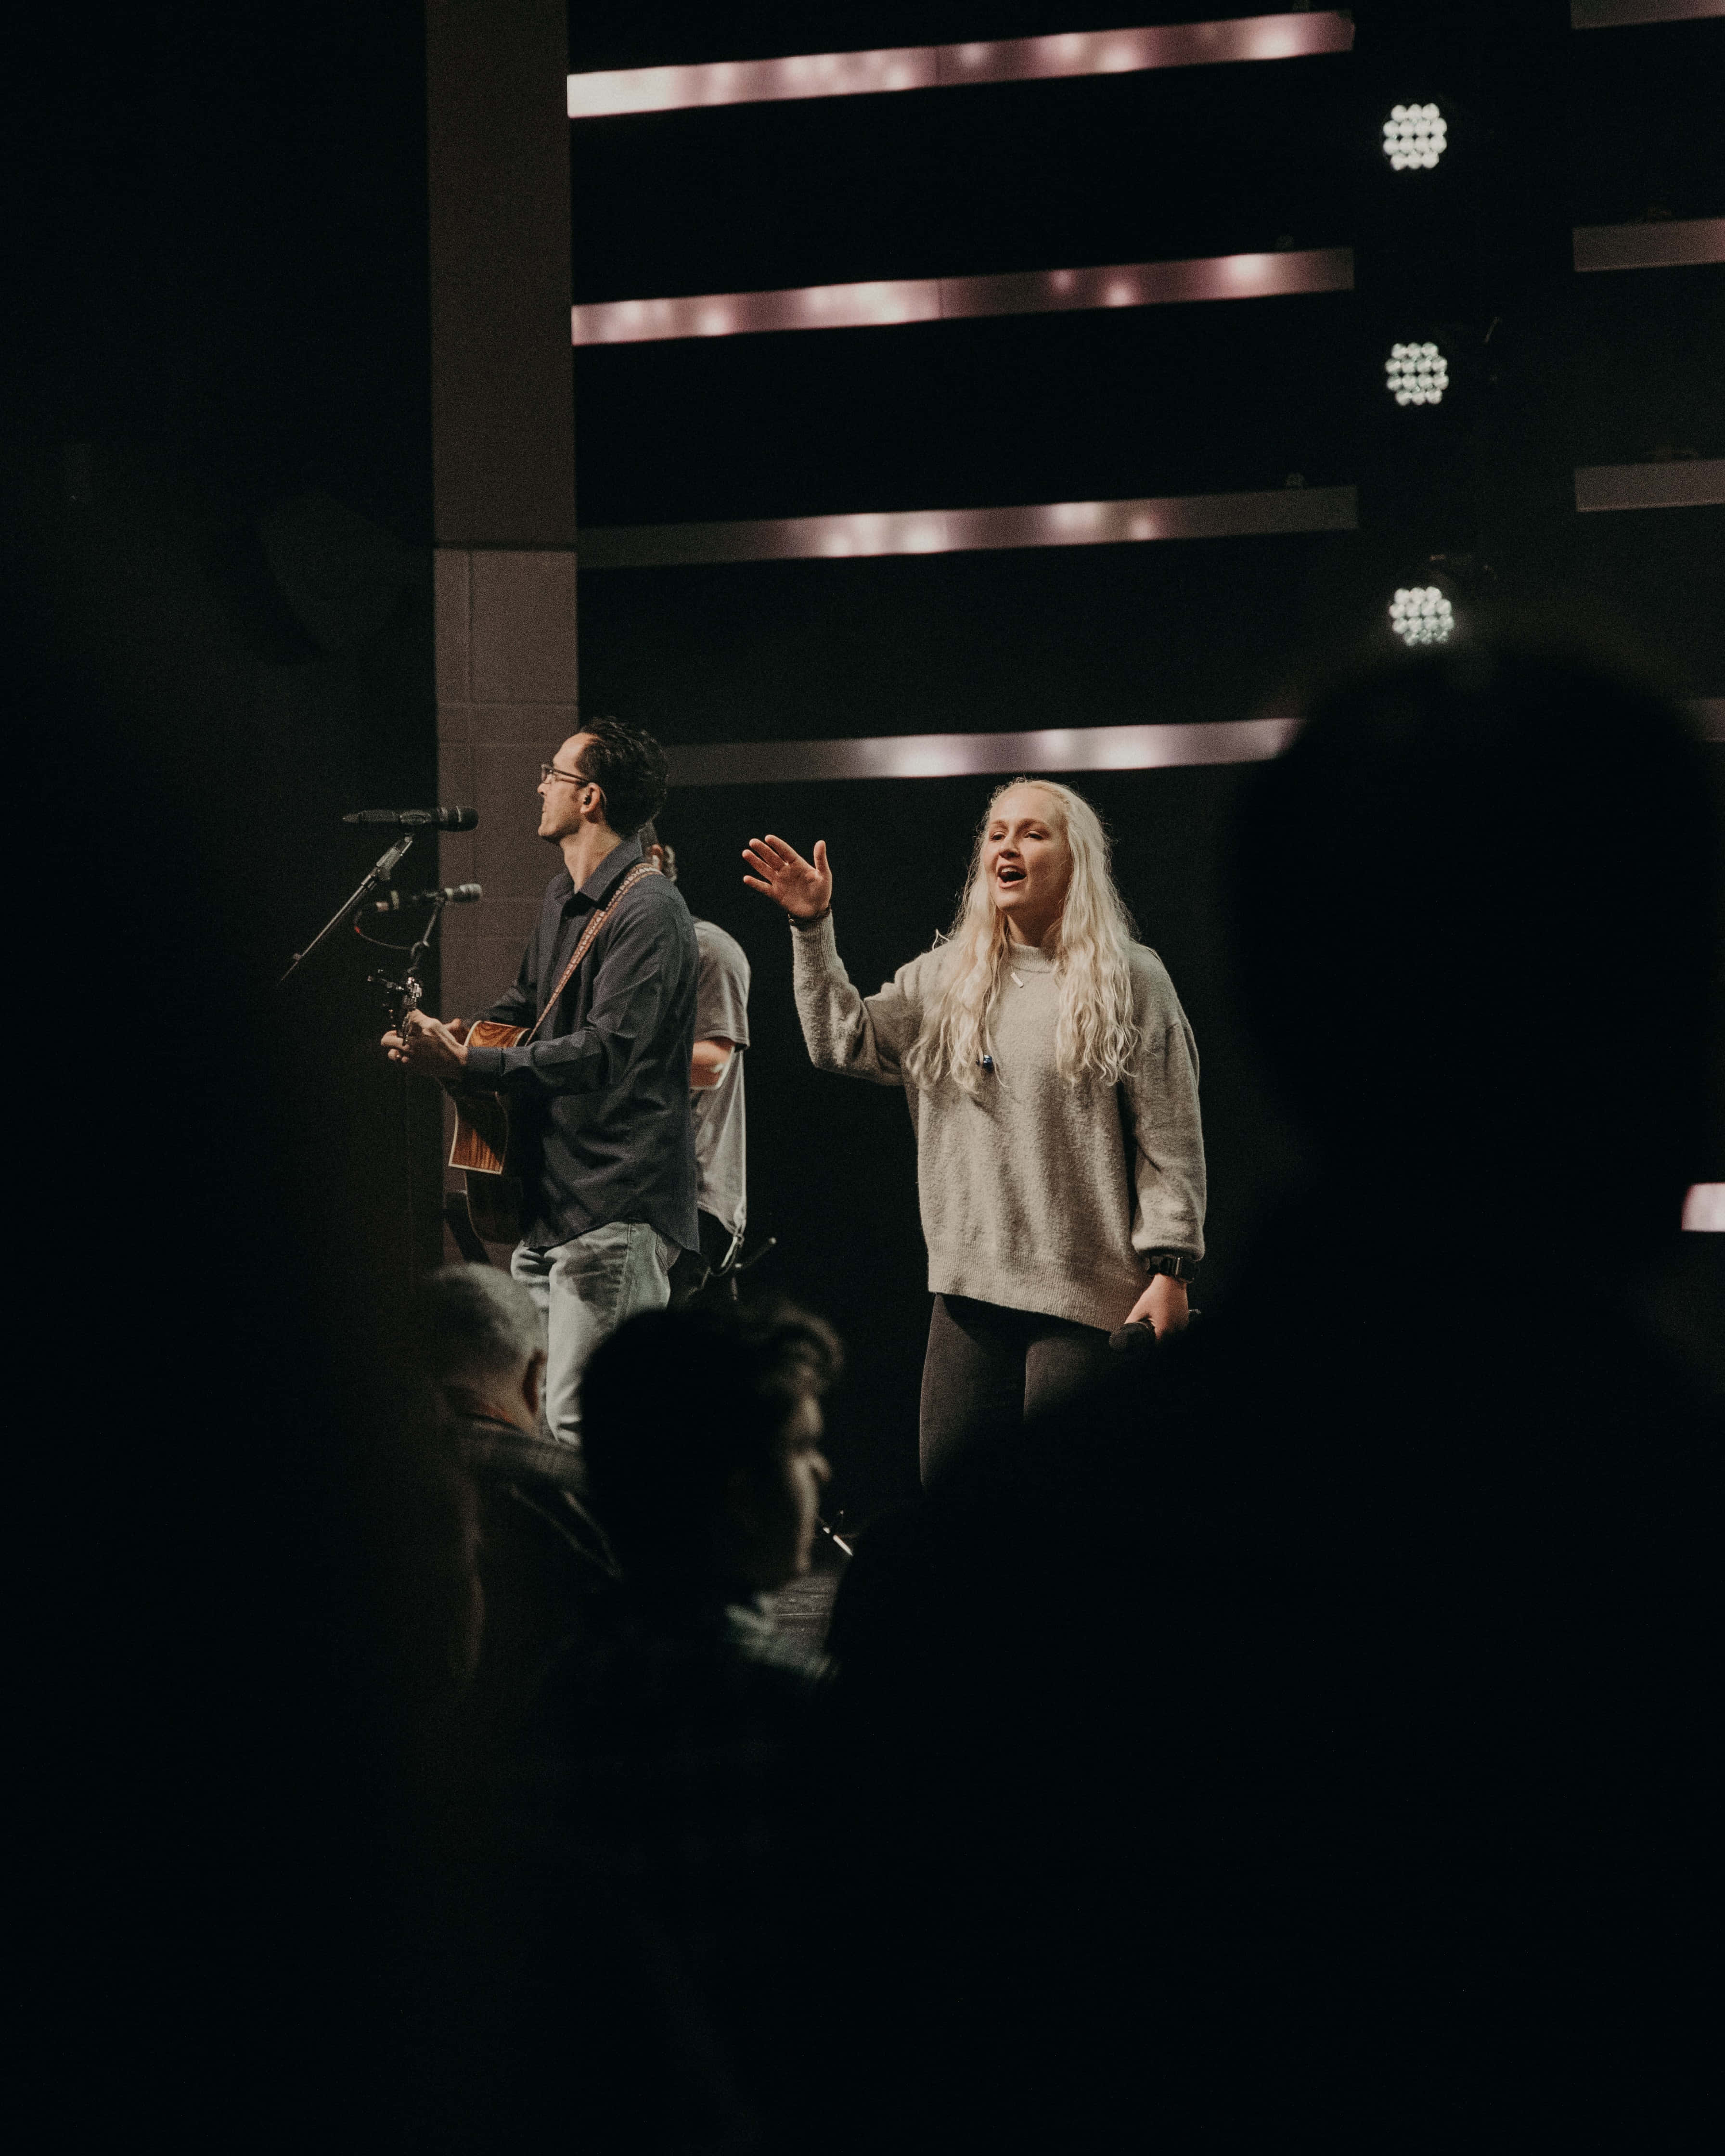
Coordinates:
[1052,1080]
[715,1099]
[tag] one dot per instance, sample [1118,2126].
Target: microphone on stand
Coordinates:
[454,894]
[417,819]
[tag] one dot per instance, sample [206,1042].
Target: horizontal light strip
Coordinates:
[966,531]
[1704,1209]
[1617,14]
[598,96]
[1064,748]
[1677,243]
[953,299]
[960,756]
[1680,483]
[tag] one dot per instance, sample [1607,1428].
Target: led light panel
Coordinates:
[1420,614]
[1415,137]
[1416,374]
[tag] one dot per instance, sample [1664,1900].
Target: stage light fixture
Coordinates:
[1420,613]
[1415,136]
[1416,374]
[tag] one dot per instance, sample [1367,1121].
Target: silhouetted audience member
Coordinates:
[478,1341]
[432,1601]
[705,1460]
[1330,1733]
[675,1751]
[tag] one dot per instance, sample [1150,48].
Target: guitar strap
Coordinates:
[641,868]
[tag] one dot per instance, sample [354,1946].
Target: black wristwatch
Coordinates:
[1177,1268]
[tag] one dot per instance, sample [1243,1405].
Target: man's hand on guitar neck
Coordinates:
[426,1045]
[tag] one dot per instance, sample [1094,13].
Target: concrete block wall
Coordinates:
[503,448]
[506,698]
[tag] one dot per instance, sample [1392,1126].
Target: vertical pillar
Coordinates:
[503,451]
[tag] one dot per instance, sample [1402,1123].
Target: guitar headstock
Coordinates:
[404,997]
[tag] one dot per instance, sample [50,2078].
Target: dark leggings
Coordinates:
[987,1370]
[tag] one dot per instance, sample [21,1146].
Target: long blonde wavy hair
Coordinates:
[1094,1034]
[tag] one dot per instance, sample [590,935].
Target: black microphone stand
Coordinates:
[381,871]
[408,993]
[406,996]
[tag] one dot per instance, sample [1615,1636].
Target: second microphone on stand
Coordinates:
[417,819]
[454,894]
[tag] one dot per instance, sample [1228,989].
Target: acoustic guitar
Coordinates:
[486,1145]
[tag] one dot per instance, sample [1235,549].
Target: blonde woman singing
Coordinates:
[1053,1087]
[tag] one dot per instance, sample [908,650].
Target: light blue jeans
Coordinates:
[585,1290]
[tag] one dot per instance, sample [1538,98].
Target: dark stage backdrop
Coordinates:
[220,477]
[1549,129]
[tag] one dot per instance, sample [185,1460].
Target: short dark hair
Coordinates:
[628,767]
[675,1401]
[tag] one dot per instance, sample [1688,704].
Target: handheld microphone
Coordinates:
[454,894]
[417,819]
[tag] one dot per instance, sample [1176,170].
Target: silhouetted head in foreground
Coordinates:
[702,1432]
[1476,911]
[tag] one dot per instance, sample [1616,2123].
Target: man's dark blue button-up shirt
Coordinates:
[600,1097]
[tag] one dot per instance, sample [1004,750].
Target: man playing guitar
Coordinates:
[598,1084]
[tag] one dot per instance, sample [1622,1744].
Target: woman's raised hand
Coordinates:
[804,889]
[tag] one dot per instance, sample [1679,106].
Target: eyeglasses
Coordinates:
[569,778]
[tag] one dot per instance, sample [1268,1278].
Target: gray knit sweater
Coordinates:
[1040,1196]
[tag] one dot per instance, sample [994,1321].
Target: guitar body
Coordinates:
[483,1139]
